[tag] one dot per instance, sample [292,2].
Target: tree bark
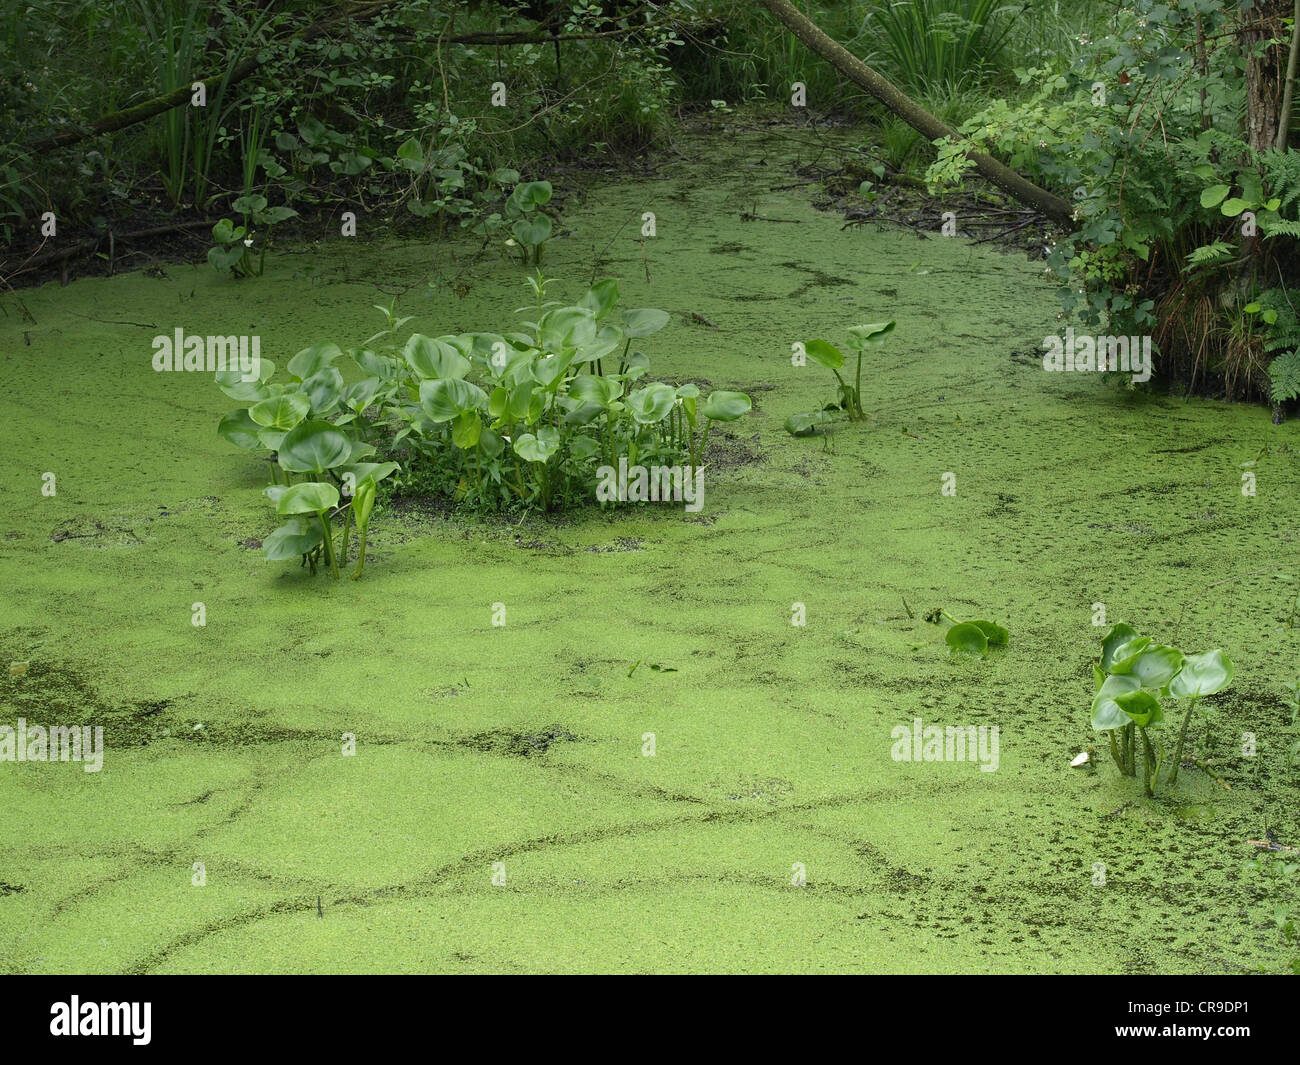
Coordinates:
[916,116]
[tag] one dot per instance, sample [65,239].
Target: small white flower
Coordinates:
[248,242]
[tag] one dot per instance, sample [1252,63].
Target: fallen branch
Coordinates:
[1024,190]
[91,243]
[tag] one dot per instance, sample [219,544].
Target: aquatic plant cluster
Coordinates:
[535,418]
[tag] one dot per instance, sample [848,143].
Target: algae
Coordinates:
[499,813]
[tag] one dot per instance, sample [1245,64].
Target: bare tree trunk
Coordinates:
[916,116]
[1265,71]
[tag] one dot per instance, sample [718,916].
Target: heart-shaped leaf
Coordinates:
[238,428]
[1106,713]
[644,321]
[994,633]
[726,406]
[967,639]
[651,404]
[806,424]
[281,412]
[435,359]
[1117,637]
[295,537]
[870,335]
[1141,706]
[567,328]
[1202,675]
[538,448]
[1156,666]
[313,359]
[443,400]
[592,389]
[313,447]
[825,353]
[309,497]
[601,298]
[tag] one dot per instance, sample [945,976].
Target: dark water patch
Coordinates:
[518,744]
[51,694]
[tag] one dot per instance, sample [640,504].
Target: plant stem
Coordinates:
[1182,735]
[1146,764]
[1114,750]
[329,544]
[361,547]
[347,535]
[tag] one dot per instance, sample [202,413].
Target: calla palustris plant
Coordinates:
[861,337]
[1132,675]
[970,637]
[522,418]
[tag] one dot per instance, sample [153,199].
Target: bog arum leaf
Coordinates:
[376,471]
[312,360]
[533,231]
[537,448]
[996,635]
[446,399]
[548,369]
[281,412]
[726,406]
[363,502]
[870,335]
[601,298]
[380,366]
[323,389]
[313,447]
[232,383]
[1106,713]
[567,329]
[1127,654]
[592,389]
[825,353]
[1203,674]
[238,428]
[435,359]
[1116,638]
[1156,666]
[309,497]
[644,321]
[651,404]
[806,424]
[295,537]
[1141,706]
[967,639]
[357,396]
[465,429]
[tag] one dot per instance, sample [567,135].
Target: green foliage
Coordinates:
[1279,876]
[1141,128]
[487,420]
[849,396]
[233,253]
[1132,675]
[530,227]
[942,42]
[972,638]
[1284,377]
